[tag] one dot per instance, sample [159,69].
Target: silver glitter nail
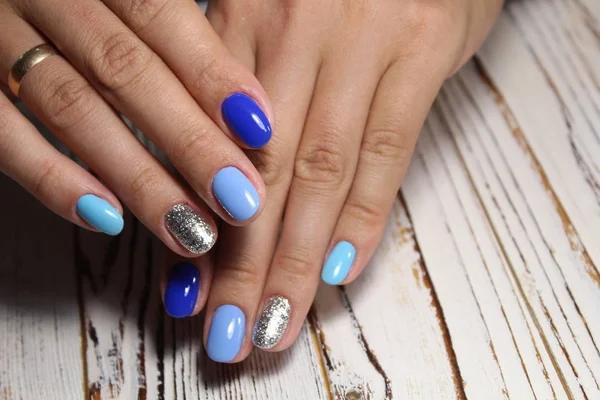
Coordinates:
[273,321]
[190,229]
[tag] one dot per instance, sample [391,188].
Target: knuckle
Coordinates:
[366,214]
[119,61]
[192,143]
[146,181]
[322,162]
[68,103]
[241,269]
[385,143]
[141,13]
[429,22]
[270,164]
[207,74]
[46,183]
[297,264]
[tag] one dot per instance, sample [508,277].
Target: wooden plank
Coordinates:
[40,347]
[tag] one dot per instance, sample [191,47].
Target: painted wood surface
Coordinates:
[485,286]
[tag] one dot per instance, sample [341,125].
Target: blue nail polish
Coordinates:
[100,214]
[182,290]
[246,120]
[338,263]
[226,333]
[235,193]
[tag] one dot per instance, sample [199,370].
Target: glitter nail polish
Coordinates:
[273,321]
[190,229]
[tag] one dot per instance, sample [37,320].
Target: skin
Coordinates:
[144,59]
[351,84]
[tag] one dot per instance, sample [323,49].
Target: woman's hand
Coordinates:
[351,83]
[161,64]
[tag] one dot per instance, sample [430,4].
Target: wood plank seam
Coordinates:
[456,374]
[571,233]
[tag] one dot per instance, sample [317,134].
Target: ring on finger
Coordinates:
[26,62]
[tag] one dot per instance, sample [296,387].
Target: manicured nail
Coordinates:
[182,290]
[100,214]
[246,120]
[190,229]
[226,333]
[273,321]
[339,263]
[235,193]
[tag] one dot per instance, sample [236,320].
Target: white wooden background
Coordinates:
[486,285]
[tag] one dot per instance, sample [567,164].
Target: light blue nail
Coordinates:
[226,333]
[100,214]
[235,193]
[338,263]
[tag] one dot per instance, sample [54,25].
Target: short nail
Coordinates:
[273,321]
[339,263]
[235,193]
[182,290]
[246,120]
[190,229]
[226,333]
[100,214]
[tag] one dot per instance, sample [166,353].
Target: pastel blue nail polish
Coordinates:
[338,263]
[235,193]
[181,293]
[100,214]
[226,333]
[246,120]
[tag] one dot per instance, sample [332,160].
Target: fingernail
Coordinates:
[182,290]
[226,333]
[100,214]
[339,263]
[246,120]
[235,193]
[190,229]
[273,321]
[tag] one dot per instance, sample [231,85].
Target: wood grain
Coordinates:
[485,285]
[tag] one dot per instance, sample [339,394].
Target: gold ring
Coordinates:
[28,60]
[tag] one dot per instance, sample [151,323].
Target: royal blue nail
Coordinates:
[338,263]
[246,120]
[100,214]
[226,333]
[182,290]
[235,193]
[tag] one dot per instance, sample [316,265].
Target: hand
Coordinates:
[351,83]
[161,64]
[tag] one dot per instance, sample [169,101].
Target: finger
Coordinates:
[227,91]
[64,101]
[185,284]
[138,83]
[58,182]
[324,170]
[288,77]
[398,112]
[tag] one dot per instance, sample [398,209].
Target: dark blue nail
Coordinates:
[246,120]
[182,289]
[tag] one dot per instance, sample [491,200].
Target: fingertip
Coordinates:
[237,195]
[246,119]
[185,285]
[99,214]
[338,263]
[182,290]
